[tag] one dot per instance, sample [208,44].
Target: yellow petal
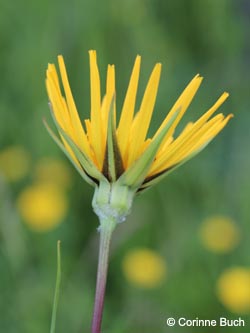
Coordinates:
[80,136]
[142,120]
[190,142]
[89,135]
[59,107]
[182,103]
[51,72]
[128,108]
[172,149]
[97,143]
[166,145]
[110,92]
[209,135]
[187,133]
[197,139]
[211,111]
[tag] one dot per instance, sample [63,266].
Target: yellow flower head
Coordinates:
[219,234]
[233,289]
[144,268]
[107,150]
[42,206]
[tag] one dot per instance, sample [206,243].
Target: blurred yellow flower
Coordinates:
[14,163]
[42,206]
[53,171]
[219,234]
[144,268]
[233,289]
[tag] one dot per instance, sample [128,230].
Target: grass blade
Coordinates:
[57,289]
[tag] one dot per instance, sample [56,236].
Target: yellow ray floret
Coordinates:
[189,144]
[97,142]
[181,104]
[59,106]
[128,108]
[110,92]
[79,134]
[189,136]
[143,117]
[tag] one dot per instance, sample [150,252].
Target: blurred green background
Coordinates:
[204,263]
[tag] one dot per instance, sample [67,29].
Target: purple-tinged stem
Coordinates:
[106,230]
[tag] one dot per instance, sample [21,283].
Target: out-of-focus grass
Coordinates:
[208,37]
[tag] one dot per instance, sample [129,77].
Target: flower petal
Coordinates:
[71,157]
[185,135]
[202,140]
[142,120]
[183,102]
[60,108]
[80,136]
[136,173]
[98,142]
[155,178]
[107,100]
[128,108]
[87,164]
[188,143]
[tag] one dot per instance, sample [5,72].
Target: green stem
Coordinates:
[106,229]
[57,289]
